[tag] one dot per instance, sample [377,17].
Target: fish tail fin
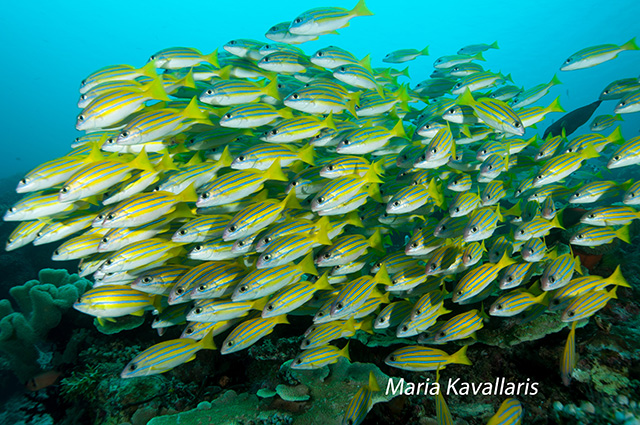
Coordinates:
[630,45]
[285,113]
[350,325]
[617,117]
[345,352]
[282,319]
[403,96]
[353,219]
[271,89]
[307,265]
[366,325]
[322,231]
[478,57]
[290,201]
[398,130]
[141,162]
[155,90]
[328,122]
[617,278]
[623,234]
[187,195]
[612,292]
[466,98]
[382,276]
[149,70]
[425,51]
[615,136]
[323,283]
[306,154]
[225,158]
[555,81]
[375,241]
[187,80]
[274,172]
[405,72]
[555,106]
[373,192]
[207,342]
[373,383]
[371,176]
[212,58]
[361,9]
[460,356]
[260,303]
[494,45]
[555,222]
[193,112]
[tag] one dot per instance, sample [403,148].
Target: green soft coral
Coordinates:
[41,304]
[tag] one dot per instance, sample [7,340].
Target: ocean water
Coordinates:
[49,47]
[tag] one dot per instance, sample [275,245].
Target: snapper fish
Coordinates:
[325,20]
[592,56]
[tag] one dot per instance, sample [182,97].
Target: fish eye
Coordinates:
[274,131]
[227,116]
[23,181]
[380,320]
[623,103]
[189,331]
[346,142]
[499,306]
[442,333]
[266,59]
[320,314]
[592,216]
[242,289]
[232,42]
[552,279]
[605,92]
[294,183]
[132,367]
[197,248]
[522,231]
[56,252]
[209,92]
[539,177]
[111,216]
[571,313]
[327,255]
[180,290]
[616,158]
[230,343]
[321,200]
[198,310]
[456,209]
[233,228]
[451,111]
[241,243]
[517,124]
[568,61]
[80,117]
[297,20]
[152,57]
[320,53]
[509,278]
[182,232]
[580,236]
[83,82]
[146,279]
[432,266]
[266,257]
[414,245]
[458,85]
[267,239]
[83,97]
[204,195]
[64,189]
[241,158]
[109,262]
[434,150]
[577,194]
[125,134]
[104,240]
[396,204]
[342,69]
[474,229]
[329,167]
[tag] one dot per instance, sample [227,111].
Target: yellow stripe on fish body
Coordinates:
[236,185]
[160,124]
[509,413]
[224,309]
[515,302]
[285,249]
[332,57]
[341,189]
[535,228]
[428,304]
[262,156]
[423,242]
[496,114]
[598,141]
[596,236]
[472,253]
[138,254]
[165,356]
[322,20]
[315,358]
[592,56]
[460,326]
[446,259]
[212,279]
[106,87]
[407,279]
[602,122]
[38,205]
[294,129]
[568,356]
[160,280]
[347,248]
[319,100]
[356,292]
[296,226]
[627,154]
[408,199]
[477,279]
[361,403]
[77,247]
[587,304]
[24,233]
[198,330]
[392,314]
[629,103]
[201,229]
[261,282]
[533,250]
[195,175]
[490,147]
[170,316]
[236,92]
[610,216]
[249,332]
[110,108]
[584,284]
[535,114]
[54,231]
[116,73]
[50,174]
[478,81]
[115,239]
[285,62]
[252,115]
[463,204]
[369,139]
[632,195]
[358,75]
[516,274]
[293,296]
[213,250]
[594,191]
[450,227]
[92,263]
[113,301]
[138,182]
[419,359]
[146,207]
[181,57]
[561,166]
[393,262]
[257,216]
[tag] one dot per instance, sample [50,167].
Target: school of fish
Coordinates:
[225,191]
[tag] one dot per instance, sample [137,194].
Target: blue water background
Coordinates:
[49,47]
